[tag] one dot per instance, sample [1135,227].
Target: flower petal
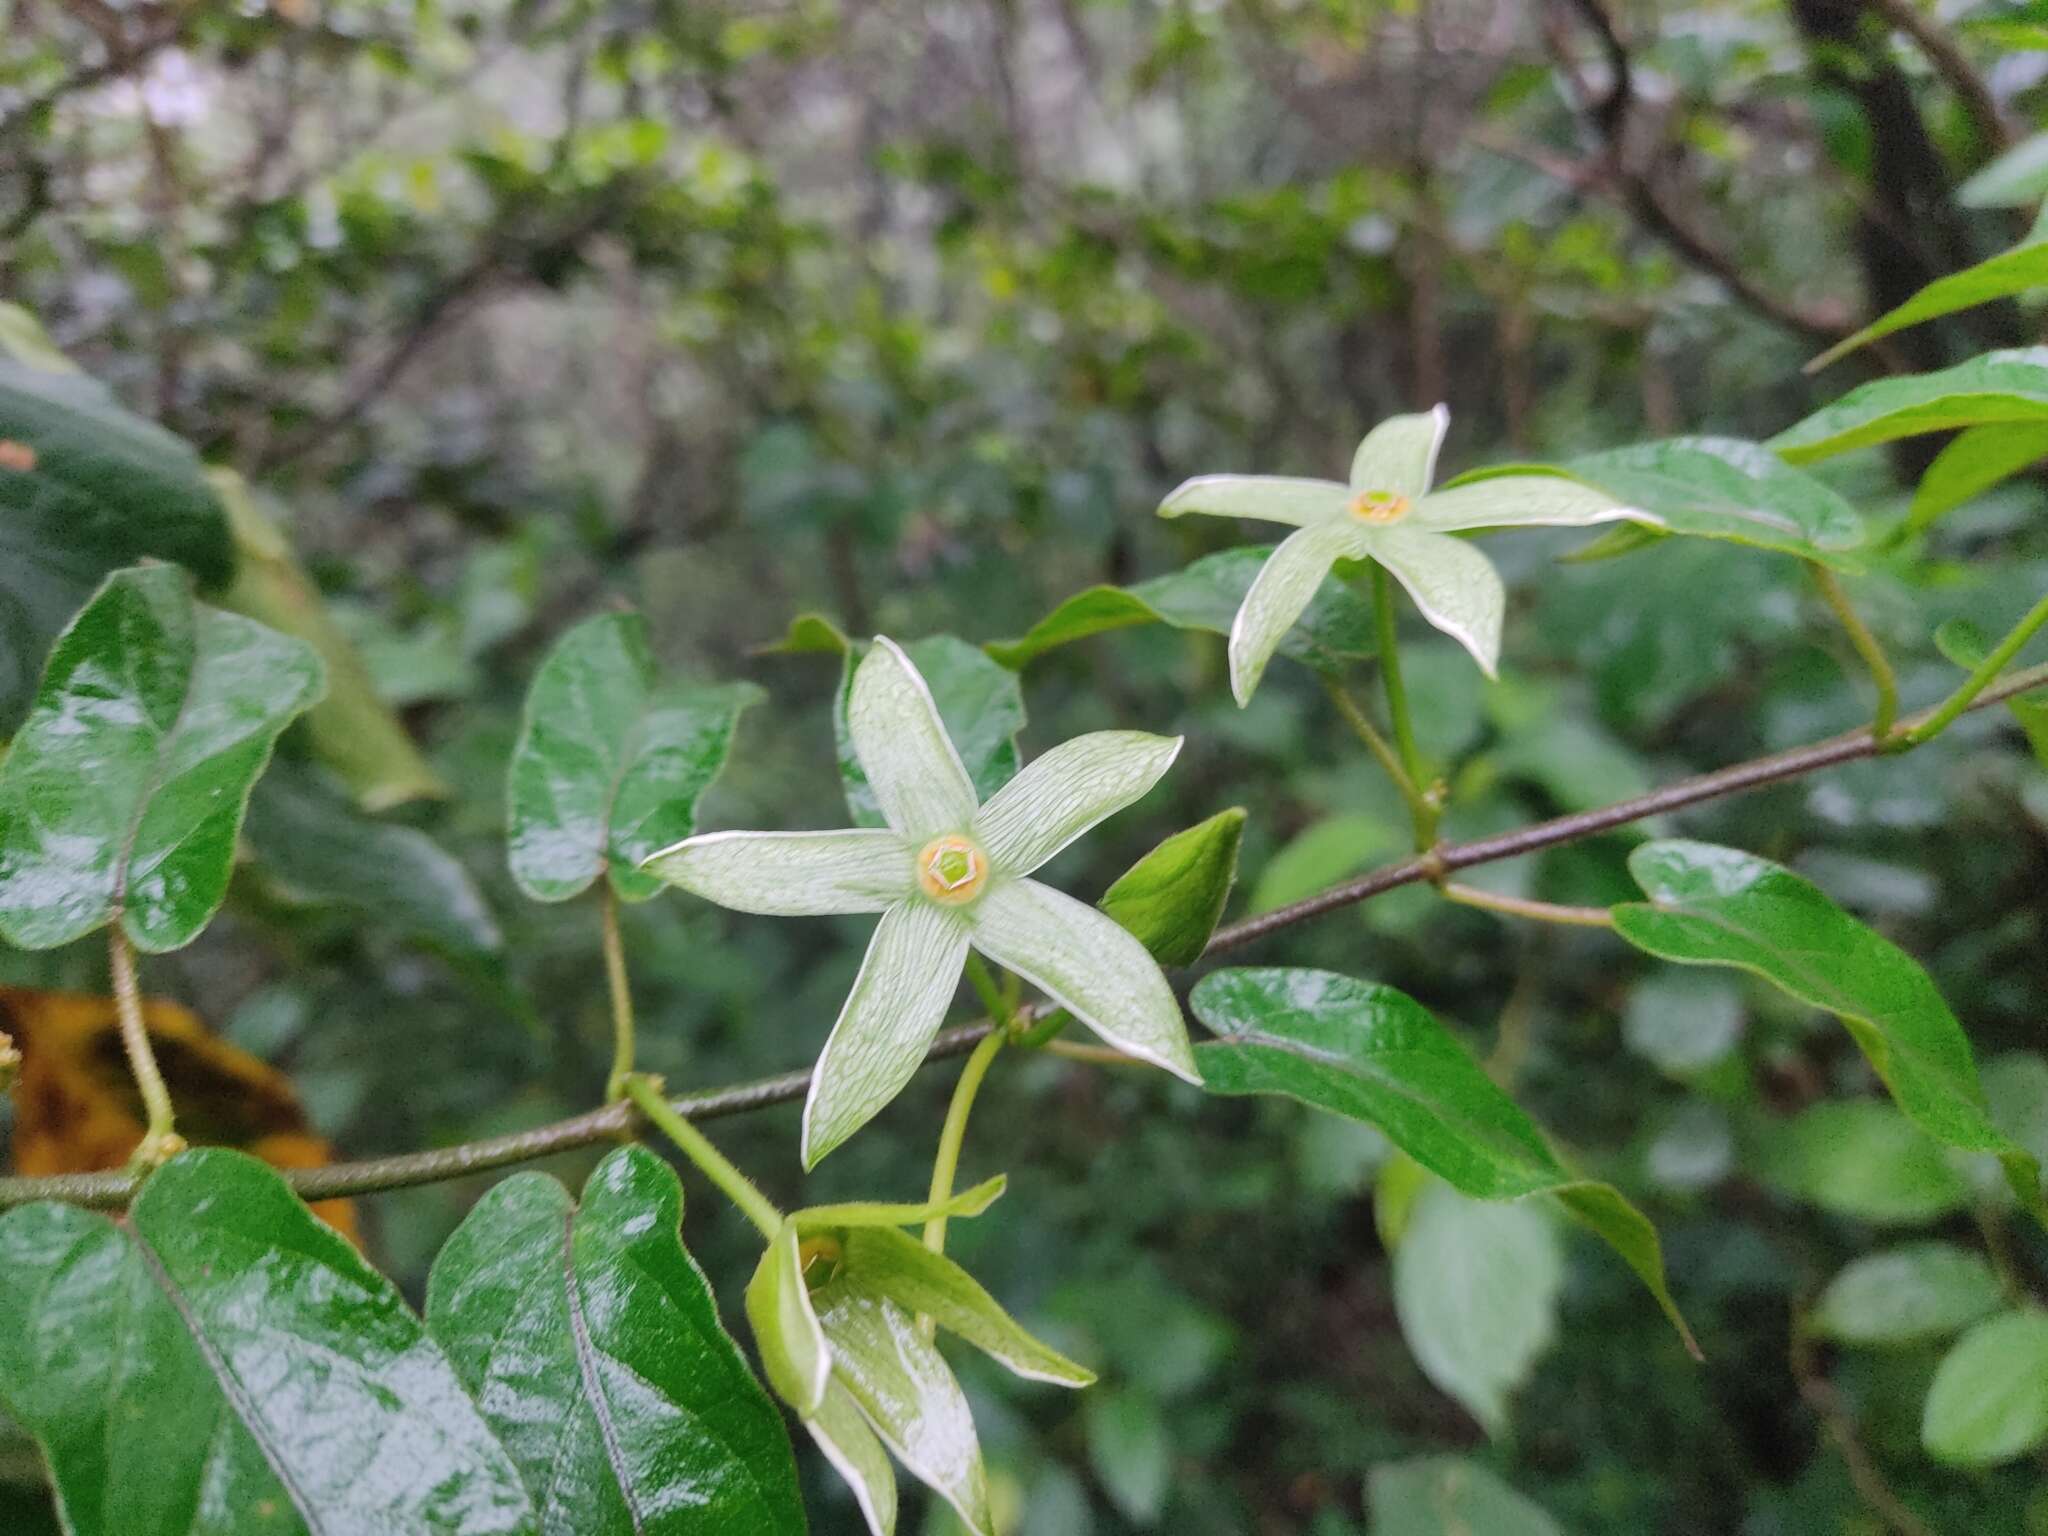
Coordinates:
[910,974]
[1279,593]
[908,1393]
[1083,961]
[1270,498]
[857,1456]
[794,1355]
[1062,794]
[1399,454]
[1511,501]
[791,874]
[1454,585]
[903,748]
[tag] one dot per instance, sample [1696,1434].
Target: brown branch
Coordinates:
[1949,62]
[617,1121]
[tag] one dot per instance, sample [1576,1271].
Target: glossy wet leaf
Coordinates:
[610,761]
[122,797]
[979,703]
[1336,628]
[353,730]
[1727,488]
[1906,1295]
[2008,387]
[1172,898]
[1476,1288]
[314,849]
[1989,1399]
[592,1345]
[2018,270]
[1371,1053]
[1449,1496]
[223,1361]
[1717,906]
[86,486]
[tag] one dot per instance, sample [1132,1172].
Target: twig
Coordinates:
[1952,66]
[338,1179]
[1819,1395]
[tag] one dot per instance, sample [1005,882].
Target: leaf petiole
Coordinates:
[645,1092]
[622,999]
[160,1139]
[1985,674]
[1867,647]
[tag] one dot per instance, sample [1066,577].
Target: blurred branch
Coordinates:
[1625,176]
[1952,66]
[1821,1396]
[619,1120]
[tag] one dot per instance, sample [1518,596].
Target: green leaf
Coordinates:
[1998,387]
[809,634]
[1370,1053]
[1718,906]
[313,848]
[86,487]
[123,795]
[1476,1288]
[2017,178]
[842,1433]
[896,1265]
[610,762]
[1717,488]
[1989,1399]
[1976,460]
[589,1338]
[1172,898]
[1334,629]
[2000,277]
[794,1355]
[353,730]
[1907,1295]
[1130,1451]
[1449,1496]
[980,705]
[224,1361]
[1862,1158]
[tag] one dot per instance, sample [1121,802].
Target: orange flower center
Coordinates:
[952,870]
[1379,506]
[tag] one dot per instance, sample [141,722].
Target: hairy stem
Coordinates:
[947,1164]
[411,1168]
[696,1146]
[1867,647]
[1522,906]
[1937,720]
[1397,706]
[160,1140]
[1363,728]
[622,999]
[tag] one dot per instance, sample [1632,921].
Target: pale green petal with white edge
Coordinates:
[1399,455]
[1269,498]
[898,1266]
[908,1394]
[1280,592]
[791,874]
[1454,585]
[1062,794]
[903,748]
[1088,964]
[794,1355]
[1517,501]
[857,1456]
[910,974]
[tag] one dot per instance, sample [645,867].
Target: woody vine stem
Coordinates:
[624,1118]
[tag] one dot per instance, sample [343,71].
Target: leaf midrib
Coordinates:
[593,1386]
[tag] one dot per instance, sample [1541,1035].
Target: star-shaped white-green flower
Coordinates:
[947,873]
[1388,514]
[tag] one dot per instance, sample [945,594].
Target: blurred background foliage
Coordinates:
[907,312]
